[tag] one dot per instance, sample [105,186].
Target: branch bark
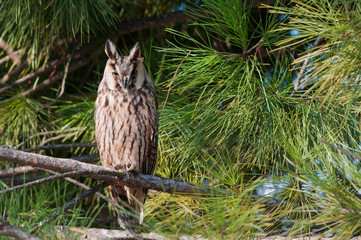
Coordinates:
[14,57]
[80,63]
[101,173]
[31,76]
[7,173]
[6,229]
[71,145]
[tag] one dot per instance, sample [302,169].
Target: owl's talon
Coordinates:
[119,168]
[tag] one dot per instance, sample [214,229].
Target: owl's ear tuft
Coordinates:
[135,52]
[111,50]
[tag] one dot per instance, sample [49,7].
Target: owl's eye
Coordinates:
[115,74]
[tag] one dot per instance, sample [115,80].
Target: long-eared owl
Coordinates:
[126,127]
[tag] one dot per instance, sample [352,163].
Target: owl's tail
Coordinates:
[130,207]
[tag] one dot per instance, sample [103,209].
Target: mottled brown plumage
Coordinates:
[126,122]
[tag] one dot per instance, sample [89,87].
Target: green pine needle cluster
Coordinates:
[271,119]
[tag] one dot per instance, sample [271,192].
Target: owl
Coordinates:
[126,128]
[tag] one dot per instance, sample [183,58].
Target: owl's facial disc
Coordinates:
[124,68]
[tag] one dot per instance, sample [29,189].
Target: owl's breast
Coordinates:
[123,129]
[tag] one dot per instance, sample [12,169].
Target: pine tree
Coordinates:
[259,98]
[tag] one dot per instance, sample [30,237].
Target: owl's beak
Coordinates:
[125,81]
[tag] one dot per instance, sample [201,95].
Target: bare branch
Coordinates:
[56,177]
[6,229]
[248,52]
[152,22]
[80,63]
[170,85]
[87,158]
[71,204]
[302,71]
[57,146]
[14,57]
[101,173]
[11,56]
[6,173]
[14,72]
[347,12]
[83,186]
[354,156]
[63,82]
[18,180]
[48,133]
[31,76]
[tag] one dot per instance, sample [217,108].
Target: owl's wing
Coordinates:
[153,149]
[153,146]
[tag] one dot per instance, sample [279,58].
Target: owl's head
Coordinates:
[124,73]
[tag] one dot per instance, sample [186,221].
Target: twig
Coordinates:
[18,180]
[6,229]
[103,221]
[87,158]
[6,173]
[45,141]
[71,204]
[170,85]
[57,146]
[31,76]
[152,22]
[63,82]
[105,174]
[347,12]
[56,177]
[14,57]
[82,186]
[301,72]
[14,72]
[354,156]
[246,53]
[51,80]
[47,133]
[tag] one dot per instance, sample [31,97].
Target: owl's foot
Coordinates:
[120,168]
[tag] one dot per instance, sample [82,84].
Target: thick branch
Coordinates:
[6,229]
[70,165]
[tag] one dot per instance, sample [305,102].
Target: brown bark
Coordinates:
[63,165]
[6,229]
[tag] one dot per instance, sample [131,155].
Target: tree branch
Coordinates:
[14,57]
[80,63]
[70,204]
[57,146]
[152,22]
[14,72]
[105,174]
[302,71]
[6,229]
[6,173]
[31,76]
[354,156]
